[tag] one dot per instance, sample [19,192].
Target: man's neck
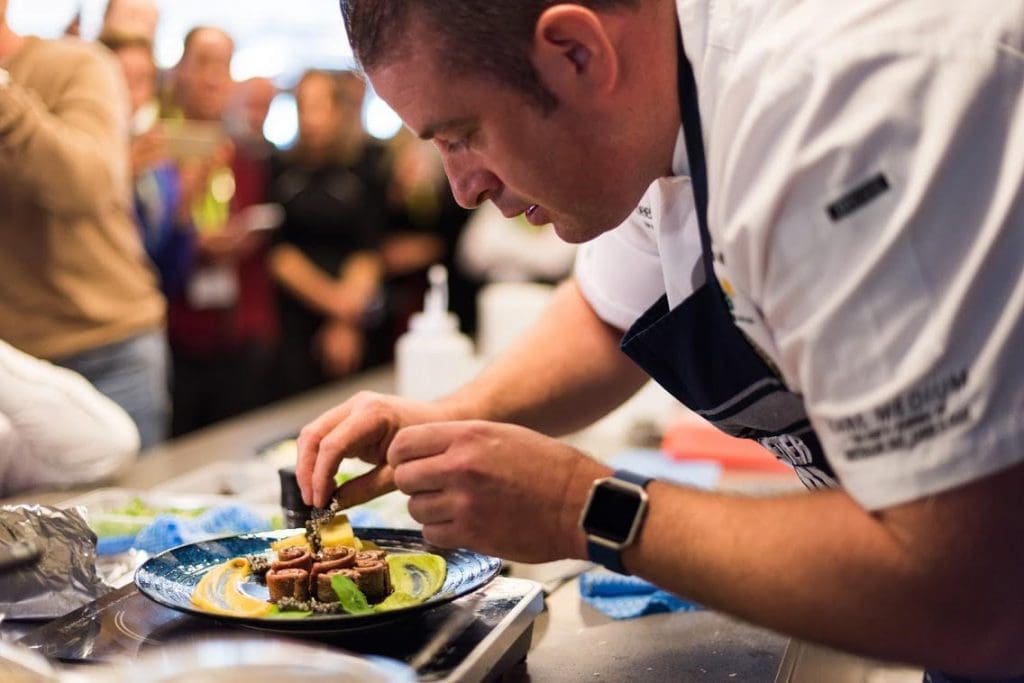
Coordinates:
[10,42]
[656,89]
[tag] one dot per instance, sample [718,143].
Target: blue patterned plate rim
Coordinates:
[168,578]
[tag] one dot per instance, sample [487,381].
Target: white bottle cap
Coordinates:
[435,316]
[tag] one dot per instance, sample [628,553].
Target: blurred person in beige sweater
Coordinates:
[76,288]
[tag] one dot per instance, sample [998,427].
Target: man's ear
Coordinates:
[573,53]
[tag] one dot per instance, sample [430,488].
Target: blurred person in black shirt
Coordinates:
[325,260]
[424,227]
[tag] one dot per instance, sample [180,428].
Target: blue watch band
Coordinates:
[606,555]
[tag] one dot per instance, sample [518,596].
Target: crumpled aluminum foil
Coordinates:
[64,578]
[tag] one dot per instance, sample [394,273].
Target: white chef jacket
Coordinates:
[866,182]
[56,429]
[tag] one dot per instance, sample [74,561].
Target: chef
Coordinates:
[806,221]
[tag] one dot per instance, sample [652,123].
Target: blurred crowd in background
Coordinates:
[154,241]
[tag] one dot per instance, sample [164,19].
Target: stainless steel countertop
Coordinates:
[571,641]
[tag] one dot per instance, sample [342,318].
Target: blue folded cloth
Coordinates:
[168,531]
[627,597]
[361,517]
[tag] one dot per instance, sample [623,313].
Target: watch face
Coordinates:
[611,513]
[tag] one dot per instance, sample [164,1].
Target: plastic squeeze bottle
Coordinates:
[433,358]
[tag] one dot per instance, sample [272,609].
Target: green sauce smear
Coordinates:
[415,577]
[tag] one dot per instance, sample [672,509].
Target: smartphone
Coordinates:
[18,554]
[192,139]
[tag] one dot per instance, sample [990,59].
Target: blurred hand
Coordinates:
[147,151]
[345,305]
[194,179]
[499,489]
[339,346]
[361,427]
[231,244]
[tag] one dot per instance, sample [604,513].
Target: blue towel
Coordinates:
[627,597]
[168,531]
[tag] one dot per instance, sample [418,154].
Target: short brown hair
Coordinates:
[116,41]
[477,36]
[194,32]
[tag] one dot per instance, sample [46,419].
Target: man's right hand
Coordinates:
[361,427]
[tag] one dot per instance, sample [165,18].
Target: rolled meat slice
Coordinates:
[324,591]
[371,555]
[374,579]
[341,552]
[333,558]
[293,558]
[288,583]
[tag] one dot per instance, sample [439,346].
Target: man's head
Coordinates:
[135,54]
[478,35]
[562,111]
[203,76]
[250,104]
[316,97]
[131,17]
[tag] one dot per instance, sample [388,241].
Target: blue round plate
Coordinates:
[170,577]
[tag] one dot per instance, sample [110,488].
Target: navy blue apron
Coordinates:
[699,355]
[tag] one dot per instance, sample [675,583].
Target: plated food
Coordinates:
[239,597]
[326,570]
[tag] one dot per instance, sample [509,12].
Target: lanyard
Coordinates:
[689,111]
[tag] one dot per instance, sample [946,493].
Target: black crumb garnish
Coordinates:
[259,565]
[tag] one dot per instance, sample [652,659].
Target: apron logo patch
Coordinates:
[858,197]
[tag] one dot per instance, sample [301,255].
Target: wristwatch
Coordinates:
[612,517]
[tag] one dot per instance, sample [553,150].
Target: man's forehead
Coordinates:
[427,98]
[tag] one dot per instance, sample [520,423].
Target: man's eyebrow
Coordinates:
[432,129]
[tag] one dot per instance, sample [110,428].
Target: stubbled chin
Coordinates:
[574,233]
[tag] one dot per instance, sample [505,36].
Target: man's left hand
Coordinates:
[496,488]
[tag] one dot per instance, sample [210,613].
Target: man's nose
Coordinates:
[471,185]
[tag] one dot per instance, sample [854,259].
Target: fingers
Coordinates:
[442,534]
[423,476]
[431,508]
[356,435]
[422,441]
[366,487]
[309,447]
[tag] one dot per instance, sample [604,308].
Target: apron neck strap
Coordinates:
[689,110]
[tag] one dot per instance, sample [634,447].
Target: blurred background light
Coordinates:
[272,38]
[270,41]
[379,119]
[282,124]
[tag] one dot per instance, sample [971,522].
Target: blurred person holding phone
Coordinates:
[222,327]
[76,288]
[163,193]
[325,258]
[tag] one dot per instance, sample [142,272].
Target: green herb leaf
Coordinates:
[349,595]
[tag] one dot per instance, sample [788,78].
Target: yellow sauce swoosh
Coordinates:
[219,591]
